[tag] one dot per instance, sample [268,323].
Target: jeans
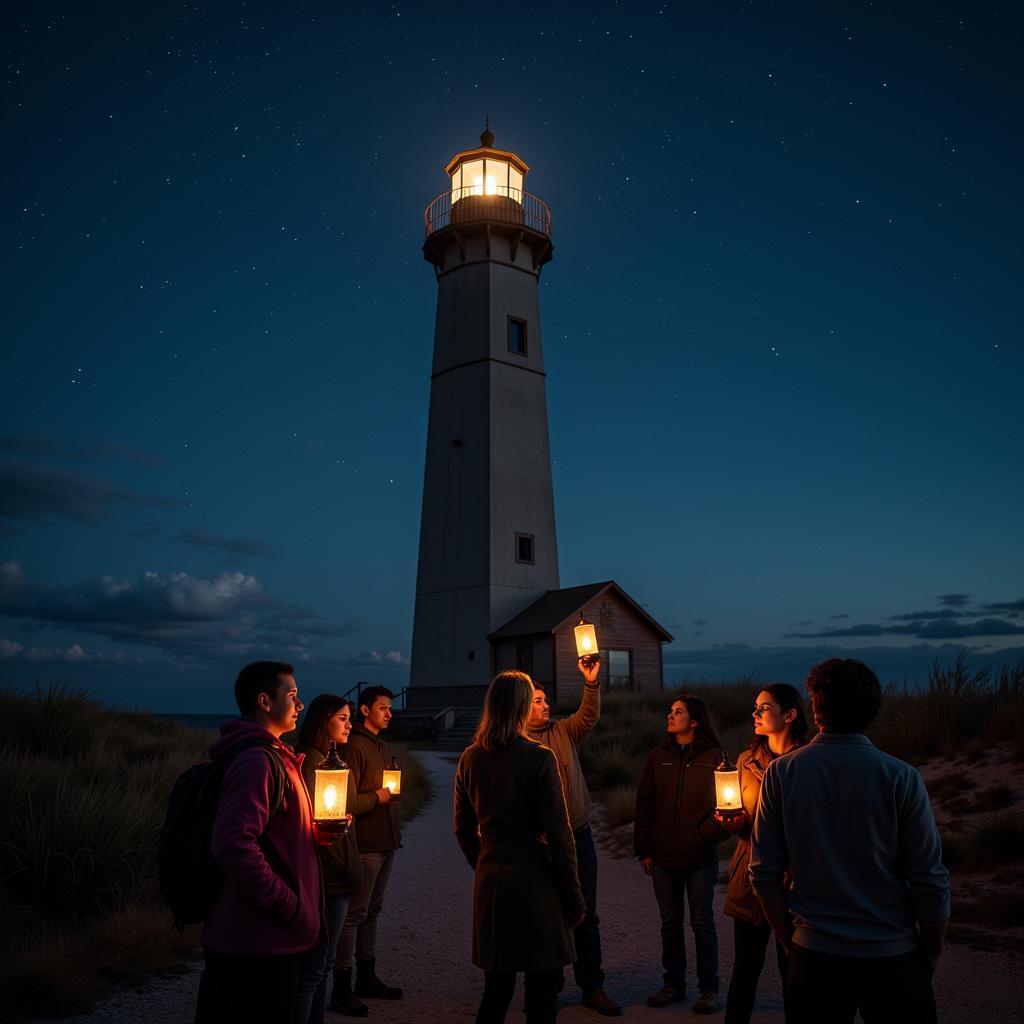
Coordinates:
[751,945]
[240,989]
[673,888]
[541,996]
[312,998]
[823,988]
[587,968]
[359,934]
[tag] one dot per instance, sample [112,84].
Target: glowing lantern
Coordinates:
[393,780]
[586,642]
[330,792]
[727,788]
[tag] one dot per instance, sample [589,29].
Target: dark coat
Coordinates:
[675,806]
[376,823]
[512,825]
[343,871]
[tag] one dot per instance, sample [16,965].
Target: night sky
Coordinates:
[781,328]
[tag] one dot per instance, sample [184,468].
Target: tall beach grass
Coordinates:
[82,802]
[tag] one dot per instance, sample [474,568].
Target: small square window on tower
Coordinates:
[524,548]
[517,336]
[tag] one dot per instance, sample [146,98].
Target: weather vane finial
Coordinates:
[487,137]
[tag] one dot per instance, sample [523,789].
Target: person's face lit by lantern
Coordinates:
[680,724]
[339,725]
[769,718]
[540,710]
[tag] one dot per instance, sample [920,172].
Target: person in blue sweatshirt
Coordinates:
[862,914]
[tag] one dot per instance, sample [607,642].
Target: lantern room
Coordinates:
[486,171]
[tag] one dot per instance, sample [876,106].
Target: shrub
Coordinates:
[995,798]
[987,843]
[619,805]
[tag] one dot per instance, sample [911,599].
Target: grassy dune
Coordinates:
[82,802]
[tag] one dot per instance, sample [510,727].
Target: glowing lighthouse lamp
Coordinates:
[586,642]
[486,171]
[330,792]
[727,789]
[392,781]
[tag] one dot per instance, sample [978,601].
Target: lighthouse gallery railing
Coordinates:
[504,206]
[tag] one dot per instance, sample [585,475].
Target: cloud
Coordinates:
[35,493]
[241,547]
[1013,608]
[700,622]
[75,451]
[932,629]
[841,615]
[373,658]
[228,615]
[74,654]
[953,600]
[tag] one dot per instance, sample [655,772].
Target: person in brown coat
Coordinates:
[780,726]
[675,836]
[512,825]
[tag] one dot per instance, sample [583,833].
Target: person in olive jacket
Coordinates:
[378,836]
[675,836]
[512,825]
[780,726]
[329,718]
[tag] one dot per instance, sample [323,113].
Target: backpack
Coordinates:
[190,878]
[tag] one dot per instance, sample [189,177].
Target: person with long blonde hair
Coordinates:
[512,825]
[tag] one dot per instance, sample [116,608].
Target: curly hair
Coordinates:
[845,695]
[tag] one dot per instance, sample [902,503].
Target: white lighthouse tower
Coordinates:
[487,536]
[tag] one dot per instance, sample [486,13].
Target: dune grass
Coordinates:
[84,793]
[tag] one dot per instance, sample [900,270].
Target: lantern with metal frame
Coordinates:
[330,792]
[586,642]
[392,781]
[728,799]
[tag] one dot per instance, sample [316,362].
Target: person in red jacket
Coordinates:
[268,915]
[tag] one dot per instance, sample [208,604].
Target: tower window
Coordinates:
[524,548]
[517,336]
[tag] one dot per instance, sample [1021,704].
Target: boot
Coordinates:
[342,1000]
[369,986]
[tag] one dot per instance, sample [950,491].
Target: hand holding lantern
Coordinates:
[330,793]
[586,642]
[728,800]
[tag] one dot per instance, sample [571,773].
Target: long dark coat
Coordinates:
[512,825]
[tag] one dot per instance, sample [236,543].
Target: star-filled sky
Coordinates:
[781,328]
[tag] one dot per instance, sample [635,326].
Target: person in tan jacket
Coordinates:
[564,737]
[780,726]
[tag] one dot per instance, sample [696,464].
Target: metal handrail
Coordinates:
[504,206]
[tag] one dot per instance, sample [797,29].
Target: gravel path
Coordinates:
[425,944]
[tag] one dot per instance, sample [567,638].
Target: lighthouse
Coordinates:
[488,548]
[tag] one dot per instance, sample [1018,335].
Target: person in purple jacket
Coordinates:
[268,915]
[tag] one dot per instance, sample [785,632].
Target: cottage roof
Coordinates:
[559,607]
